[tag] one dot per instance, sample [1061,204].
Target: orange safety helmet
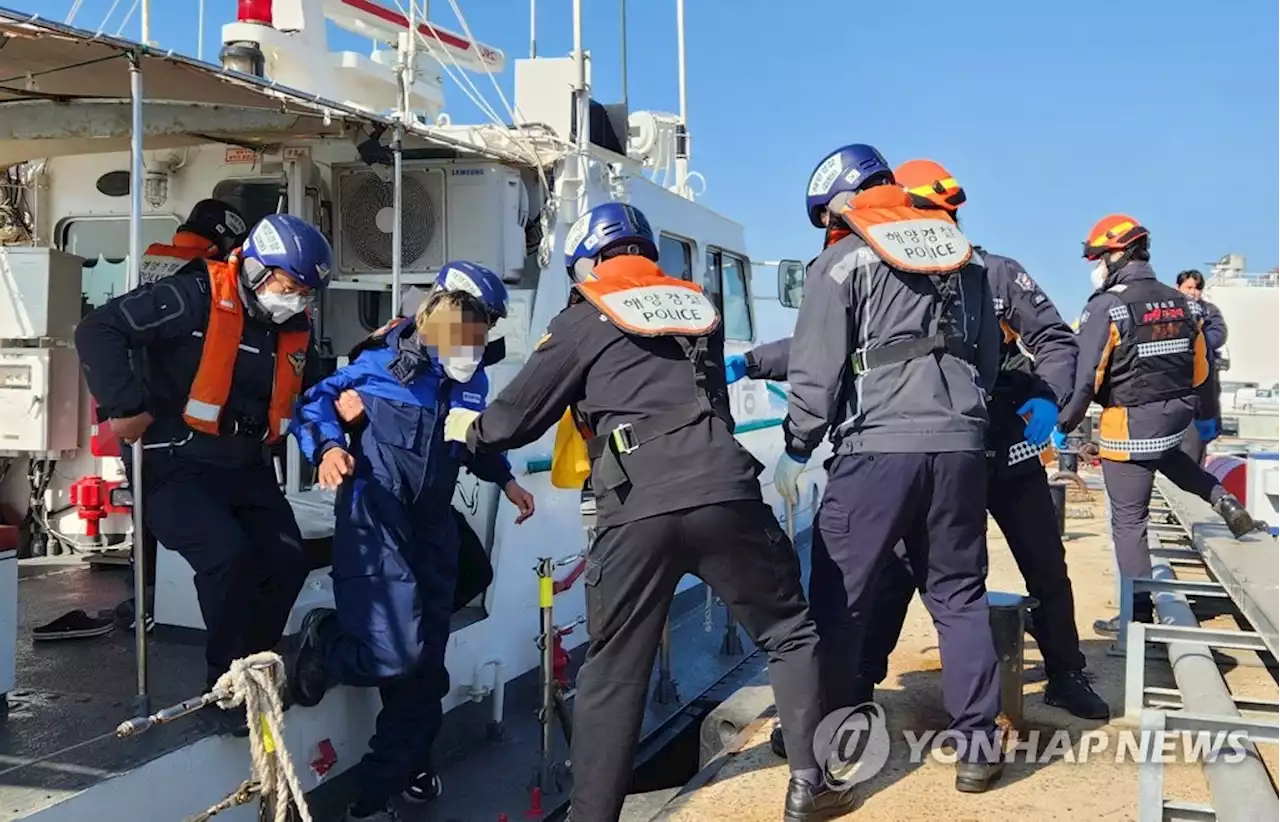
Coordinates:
[1114,232]
[929,185]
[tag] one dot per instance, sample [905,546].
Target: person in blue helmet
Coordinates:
[637,357]
[395,555]
[895,352]
[204,366]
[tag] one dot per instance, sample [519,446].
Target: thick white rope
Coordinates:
[255,683]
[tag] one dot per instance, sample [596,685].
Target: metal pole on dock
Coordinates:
[134,275]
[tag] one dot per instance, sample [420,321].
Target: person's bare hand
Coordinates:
[335,466]
[521,499]
[130,429]
[349,406]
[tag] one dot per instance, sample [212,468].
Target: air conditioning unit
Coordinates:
[450,211]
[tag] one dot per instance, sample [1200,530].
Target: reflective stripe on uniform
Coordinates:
[1161,348]
[1155,446]
[1023,451]
[205,411]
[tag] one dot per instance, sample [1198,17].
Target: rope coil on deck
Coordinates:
[255,682]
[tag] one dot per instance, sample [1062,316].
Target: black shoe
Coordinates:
[808,803]
[777,743]
[307,680]
[1072,692]
[73,625]
[1110,628]
[977,777]
[1234,515]
[424,788]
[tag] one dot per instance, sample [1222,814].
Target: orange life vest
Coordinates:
[212,385]
[909,239]
[634,294]
[161,260]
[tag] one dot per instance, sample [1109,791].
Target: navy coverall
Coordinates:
[395,546]
[213,499]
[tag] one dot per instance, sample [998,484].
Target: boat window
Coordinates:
[103,242]
[737,306]
[725,281]
[675,257]
[254,199]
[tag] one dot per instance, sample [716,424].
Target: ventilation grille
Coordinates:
[366,219]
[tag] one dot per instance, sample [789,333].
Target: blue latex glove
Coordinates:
[1043,417]
[1059,439]
[735,368]
[1207,429]
[786,477]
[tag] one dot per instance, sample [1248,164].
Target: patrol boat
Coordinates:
[106,144]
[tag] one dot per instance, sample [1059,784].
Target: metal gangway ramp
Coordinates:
[1185,533]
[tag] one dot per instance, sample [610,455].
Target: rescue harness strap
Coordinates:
[865,359]
[939,341]
[627,437]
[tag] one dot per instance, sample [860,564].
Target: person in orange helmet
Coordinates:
[1023,409]
[1143,358]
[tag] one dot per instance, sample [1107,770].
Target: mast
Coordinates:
[682,130]
[623,17]
[533,29]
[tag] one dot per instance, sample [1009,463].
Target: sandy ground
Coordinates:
[752,784]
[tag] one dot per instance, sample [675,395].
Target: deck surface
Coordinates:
[751,783]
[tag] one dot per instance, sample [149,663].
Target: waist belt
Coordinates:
[236,425]
[626,438]
[865,359]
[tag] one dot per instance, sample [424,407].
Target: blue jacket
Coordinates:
[406,399]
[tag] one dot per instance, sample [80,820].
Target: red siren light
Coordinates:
[254,11]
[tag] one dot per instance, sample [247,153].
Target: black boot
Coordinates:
[777,743]
[307,680]
[1234,515]
[1072,692]
[808,803]
[1143,611]
[977,777]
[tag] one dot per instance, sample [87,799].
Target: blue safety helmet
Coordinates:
[482,284]
[851,168]
[292,245]
[606,231]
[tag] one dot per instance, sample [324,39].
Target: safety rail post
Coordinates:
[142,701]
[552,707]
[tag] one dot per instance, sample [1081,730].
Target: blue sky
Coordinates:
[1051,115]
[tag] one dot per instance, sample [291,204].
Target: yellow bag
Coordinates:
[570,465]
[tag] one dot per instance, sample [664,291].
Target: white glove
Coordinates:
[786,477]
[457,424]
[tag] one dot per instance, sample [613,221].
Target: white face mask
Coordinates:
[281,306]
[461,367]
[1098,275]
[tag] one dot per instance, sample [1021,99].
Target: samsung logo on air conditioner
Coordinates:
[467,172]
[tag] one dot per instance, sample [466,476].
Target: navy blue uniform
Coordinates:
[213,499]
[1018,490]
[395,557]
